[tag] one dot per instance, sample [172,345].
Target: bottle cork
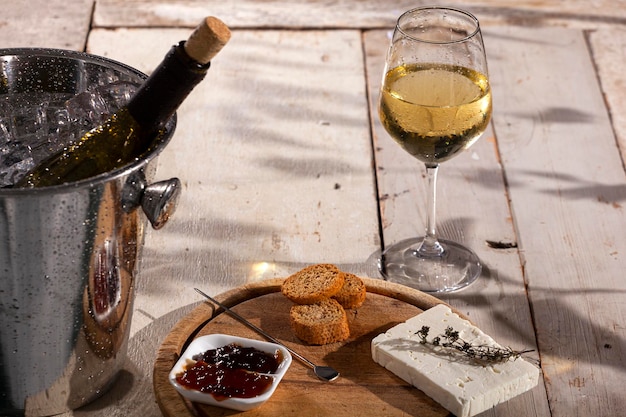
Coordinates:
[207,40]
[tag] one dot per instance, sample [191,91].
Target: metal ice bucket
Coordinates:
[69,255]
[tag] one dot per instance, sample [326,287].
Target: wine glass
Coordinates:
[435,101]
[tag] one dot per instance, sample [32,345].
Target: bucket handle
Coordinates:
[158,200]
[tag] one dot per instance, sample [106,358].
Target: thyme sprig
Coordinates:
[482,353]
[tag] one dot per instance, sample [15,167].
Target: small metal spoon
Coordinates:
[325,373]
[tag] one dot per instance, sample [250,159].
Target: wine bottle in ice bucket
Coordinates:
[129,132]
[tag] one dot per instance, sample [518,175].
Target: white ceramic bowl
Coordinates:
[213,341]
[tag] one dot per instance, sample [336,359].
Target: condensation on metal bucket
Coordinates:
[69,254]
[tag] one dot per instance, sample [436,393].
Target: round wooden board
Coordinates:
[364,387]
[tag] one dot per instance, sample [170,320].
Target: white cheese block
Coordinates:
[464,387]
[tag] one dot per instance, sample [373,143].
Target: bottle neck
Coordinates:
[164,91]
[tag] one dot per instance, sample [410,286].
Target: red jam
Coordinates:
[230,371]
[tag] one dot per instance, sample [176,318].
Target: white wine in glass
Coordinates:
[435,102]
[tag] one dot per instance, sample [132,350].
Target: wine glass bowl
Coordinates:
[435,101]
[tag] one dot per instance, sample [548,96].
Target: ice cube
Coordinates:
[92,107]
[15,161]
[35,125]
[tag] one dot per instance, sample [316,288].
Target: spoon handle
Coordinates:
[255,328]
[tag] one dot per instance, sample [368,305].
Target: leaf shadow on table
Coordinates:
[216,254]
[565,185]
[198,252]
[575,351]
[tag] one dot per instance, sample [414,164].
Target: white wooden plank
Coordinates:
[472,208]
[609,52]
[45,23]
[345,14]
[566,183]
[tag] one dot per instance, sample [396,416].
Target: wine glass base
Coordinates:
[457,268]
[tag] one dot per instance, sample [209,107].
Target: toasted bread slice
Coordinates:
[320,323]
[313,284]
[352,293]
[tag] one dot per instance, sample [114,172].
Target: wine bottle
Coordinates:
[129,132]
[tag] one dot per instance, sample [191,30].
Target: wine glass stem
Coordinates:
[430,246]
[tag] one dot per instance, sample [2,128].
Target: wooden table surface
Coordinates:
[284,163]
